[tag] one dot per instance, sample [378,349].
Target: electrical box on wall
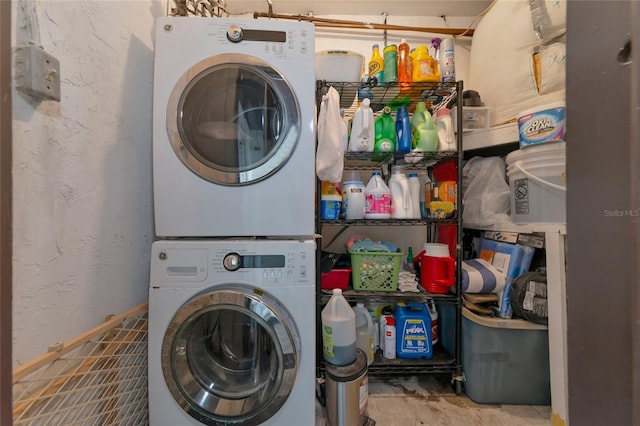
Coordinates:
[37,73]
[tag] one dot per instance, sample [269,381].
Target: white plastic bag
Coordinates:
[486,197]
[332,138]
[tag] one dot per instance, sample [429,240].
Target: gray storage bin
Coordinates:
[505,361]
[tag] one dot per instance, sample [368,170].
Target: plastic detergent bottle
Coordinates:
[385,132]
[444,127]
[404,66]
[403,130]
[390,53]
[414,192]
[330,201]
[338,330]
[362,129]
[376,65]
[364,330]
[425,67]
[447,61]
[377,196]
[425,134]
[414,331]
[401,206]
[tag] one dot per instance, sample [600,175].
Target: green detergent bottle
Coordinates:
[385,132]
[425,134]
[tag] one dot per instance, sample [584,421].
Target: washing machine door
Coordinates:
[230,356]
[233,119]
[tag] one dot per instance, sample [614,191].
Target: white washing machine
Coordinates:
[232,333]
[233,128]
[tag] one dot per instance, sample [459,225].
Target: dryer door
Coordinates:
[233,119]
[231,355]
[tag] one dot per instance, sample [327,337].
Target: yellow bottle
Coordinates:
[425,67]
[376,65]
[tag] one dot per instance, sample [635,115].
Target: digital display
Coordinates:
[261,35]
[263,261]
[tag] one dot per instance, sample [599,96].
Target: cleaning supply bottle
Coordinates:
[401,207]
[338,330]
[385,314]
[330,201]
[385,132]
[390,338]
[403,130]
[376,65]
[414,192]
[364,330]
[425,134]
[377,204]
[353,199]
[433,312]
[390,53]
[414,331]
[425,67]
[404,66]
[447,61]
[435,49]
[444,127]
[362,136]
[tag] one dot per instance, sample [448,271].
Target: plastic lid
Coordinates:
[375,46]
[375,173]
[421,106]
[360,304]
[366,102]
[337,291]
[413,174]
[443,111]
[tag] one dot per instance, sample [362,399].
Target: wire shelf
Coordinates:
[101,381]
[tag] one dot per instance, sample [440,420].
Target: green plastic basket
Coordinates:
[374,271]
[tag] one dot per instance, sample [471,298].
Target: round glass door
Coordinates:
[233,119]
[231,356]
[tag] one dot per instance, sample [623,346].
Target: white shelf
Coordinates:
[494,136]
[530,228]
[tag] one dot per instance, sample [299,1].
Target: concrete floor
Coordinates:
[430,400]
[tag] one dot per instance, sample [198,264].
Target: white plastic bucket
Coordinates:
[537,179]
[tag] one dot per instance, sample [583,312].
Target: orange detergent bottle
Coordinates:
[404,65]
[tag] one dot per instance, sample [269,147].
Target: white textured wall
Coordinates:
[83,216]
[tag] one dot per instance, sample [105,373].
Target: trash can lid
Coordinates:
[349,372]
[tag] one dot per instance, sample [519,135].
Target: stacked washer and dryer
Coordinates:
[232,288]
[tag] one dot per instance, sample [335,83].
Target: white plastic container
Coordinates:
[414,191]
[446,134]
[542,124]
[537,180]
[362,135]
[377,198]
[353,199]
[401,205]
[390,338]
[364,330]
[338,330]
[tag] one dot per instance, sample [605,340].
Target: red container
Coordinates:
[336,278]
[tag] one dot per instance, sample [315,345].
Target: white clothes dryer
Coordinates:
[233,128]
[232,333]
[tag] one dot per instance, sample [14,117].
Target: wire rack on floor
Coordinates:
[98,378]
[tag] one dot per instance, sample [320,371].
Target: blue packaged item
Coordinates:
[403,130]
[512,260]
[413,331]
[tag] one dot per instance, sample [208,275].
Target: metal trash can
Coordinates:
[347,392]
